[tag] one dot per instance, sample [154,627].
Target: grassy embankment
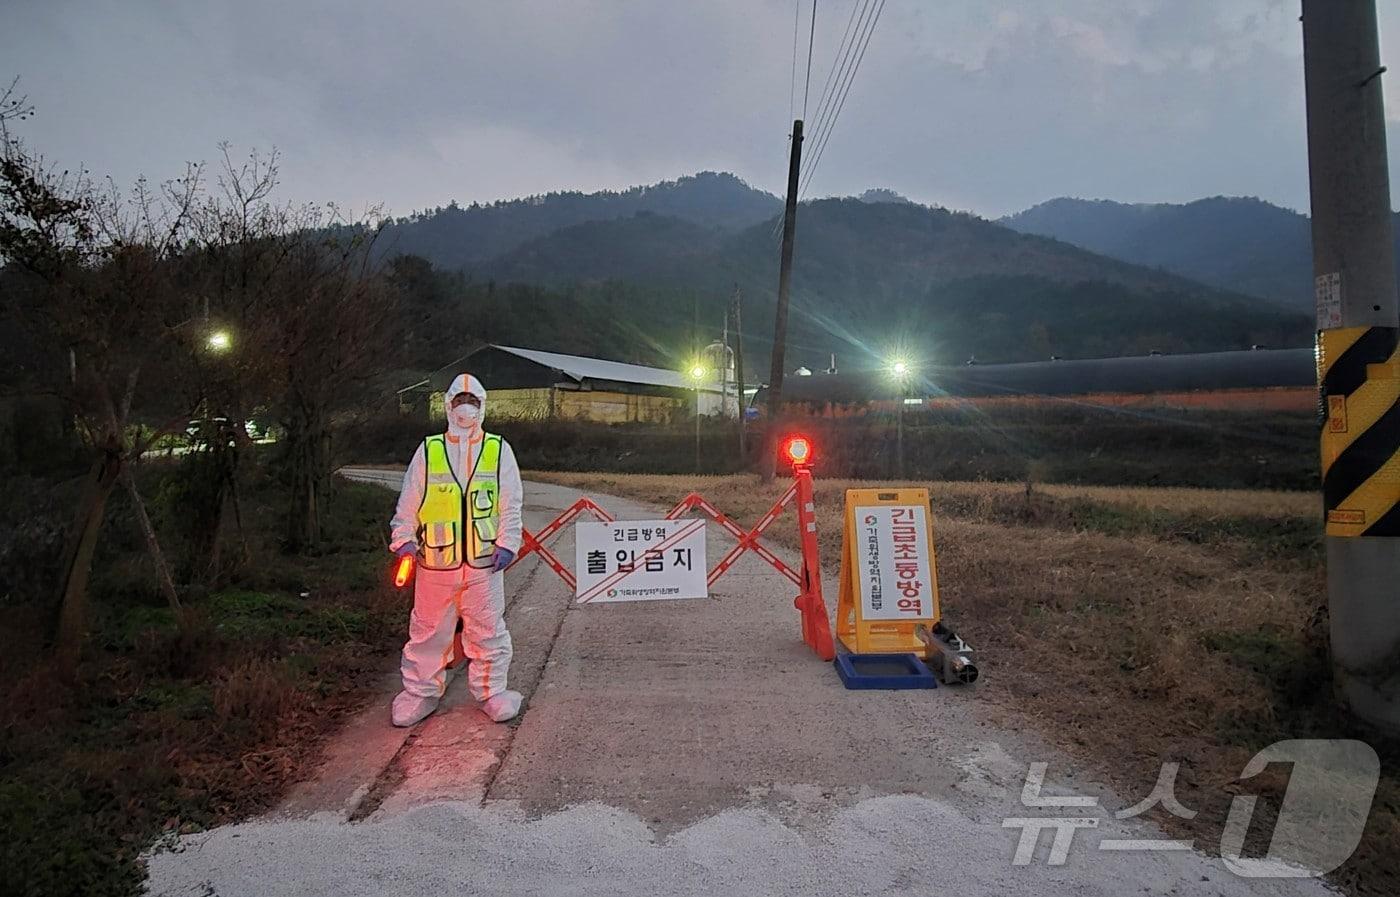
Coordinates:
[1053,443]
[1130,626]
[171,727]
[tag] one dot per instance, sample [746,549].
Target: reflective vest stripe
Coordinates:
[440,514]
[483,493]
[445,542]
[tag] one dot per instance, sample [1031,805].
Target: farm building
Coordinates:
[1254,380]
[530,384]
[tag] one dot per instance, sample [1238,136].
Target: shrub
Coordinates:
[253,695]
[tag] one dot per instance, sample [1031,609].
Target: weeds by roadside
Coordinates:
[173,724]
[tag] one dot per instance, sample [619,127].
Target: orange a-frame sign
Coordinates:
[889,577]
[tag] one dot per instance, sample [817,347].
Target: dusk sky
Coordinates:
[986,105]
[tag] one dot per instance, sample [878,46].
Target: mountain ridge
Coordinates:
[455,236]
[869,277]
[1239,243]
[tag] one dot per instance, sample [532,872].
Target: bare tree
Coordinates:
[130,285]
[315,320]
[14,106]
[333,334]
[96,262]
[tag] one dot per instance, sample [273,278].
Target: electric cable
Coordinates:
[825,137]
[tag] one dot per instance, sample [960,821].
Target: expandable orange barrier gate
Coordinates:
[529,542]
[816,625]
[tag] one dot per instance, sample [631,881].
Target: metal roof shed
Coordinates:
[586,372]
[1140,375]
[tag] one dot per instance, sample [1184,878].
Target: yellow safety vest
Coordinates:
[445,543]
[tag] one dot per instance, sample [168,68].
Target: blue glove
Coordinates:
[502,559]
[406,548]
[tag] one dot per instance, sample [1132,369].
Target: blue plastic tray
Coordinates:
[883,671]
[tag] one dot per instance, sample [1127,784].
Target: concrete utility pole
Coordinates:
[739,371]
[696,374]
[775,375]
[899,432]
[1357,362]
[697,425]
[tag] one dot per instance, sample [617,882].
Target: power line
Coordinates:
[831,125]
[839,66]
[843,51]
[792,80]
[837,62]
[838,97]
[838,87]
[811,39]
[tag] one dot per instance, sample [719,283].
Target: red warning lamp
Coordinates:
[798,450]
[404,572]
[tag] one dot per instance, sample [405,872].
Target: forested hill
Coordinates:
[868,277]
[845,247]
[640,248]
[455,236]
[1235,243]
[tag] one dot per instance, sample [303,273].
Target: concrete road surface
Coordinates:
[682,747]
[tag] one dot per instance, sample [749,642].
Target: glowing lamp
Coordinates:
[798,450]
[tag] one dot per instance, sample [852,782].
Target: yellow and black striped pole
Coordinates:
[1358,365]
[1359,372]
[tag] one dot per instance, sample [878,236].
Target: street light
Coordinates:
[219,341]
[900,370]
[697,374]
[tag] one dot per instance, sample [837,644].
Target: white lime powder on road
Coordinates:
[884,845]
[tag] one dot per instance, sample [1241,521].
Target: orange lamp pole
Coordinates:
[816,625]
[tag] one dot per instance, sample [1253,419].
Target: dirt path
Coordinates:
[681,747]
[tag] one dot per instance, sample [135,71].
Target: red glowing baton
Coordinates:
[404,572]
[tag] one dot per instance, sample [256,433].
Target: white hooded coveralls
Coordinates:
[476,596]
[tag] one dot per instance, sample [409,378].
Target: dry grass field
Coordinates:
[1131,626]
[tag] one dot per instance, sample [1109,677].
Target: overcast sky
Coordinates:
[986,105]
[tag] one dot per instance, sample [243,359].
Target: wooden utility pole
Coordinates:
[775,375]
[736,306]
[1358,363]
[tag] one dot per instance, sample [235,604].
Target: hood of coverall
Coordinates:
[464,383]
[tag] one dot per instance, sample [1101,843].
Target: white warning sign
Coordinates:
[892,563]
[1328,295]
[639,560]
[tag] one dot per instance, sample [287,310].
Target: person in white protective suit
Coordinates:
[459,514]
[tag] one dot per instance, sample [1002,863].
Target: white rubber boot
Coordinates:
[503,706]
[409,710]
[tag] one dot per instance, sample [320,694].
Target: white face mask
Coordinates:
[467,417]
